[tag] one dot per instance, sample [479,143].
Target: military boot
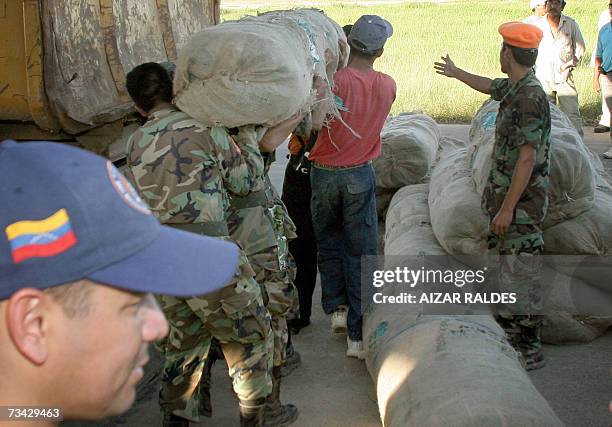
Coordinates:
[531,343]
[171,420]
[252,412]
[292,361]
[276,414]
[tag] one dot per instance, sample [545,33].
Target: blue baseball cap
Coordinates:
[369,33]
[68,214]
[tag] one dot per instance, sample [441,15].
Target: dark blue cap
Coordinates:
[68,214]
[369,33]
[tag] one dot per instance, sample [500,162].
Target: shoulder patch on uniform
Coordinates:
[125,190]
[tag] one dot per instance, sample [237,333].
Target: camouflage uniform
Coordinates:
[262,228]
[182,170]
[523,118]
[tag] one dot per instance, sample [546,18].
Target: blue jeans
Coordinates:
[343,207]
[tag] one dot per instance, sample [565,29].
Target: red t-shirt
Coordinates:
[368,97]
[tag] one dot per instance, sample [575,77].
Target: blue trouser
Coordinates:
[344,218]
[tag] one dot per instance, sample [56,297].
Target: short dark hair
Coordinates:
[525,57]
[72,297]
[358,49]
[347,29]
[149,84]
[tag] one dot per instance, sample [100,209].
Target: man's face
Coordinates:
[503,59]
[99,357]
[554,8]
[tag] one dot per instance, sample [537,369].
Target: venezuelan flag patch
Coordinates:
[40,239]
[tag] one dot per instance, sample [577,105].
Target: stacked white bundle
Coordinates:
[260,70]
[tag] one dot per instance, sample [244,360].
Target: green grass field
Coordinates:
[467,31]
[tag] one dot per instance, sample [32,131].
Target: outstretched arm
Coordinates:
[449,69]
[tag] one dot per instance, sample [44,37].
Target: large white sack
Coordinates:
[588,234]
[451,371]
[561,327]
[408,223]
[442,370]
[449,144]
[329,49]
[259,70]
[409,147]
[572,175]
[459,222]
[586,242]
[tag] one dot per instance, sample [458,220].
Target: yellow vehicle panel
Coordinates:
[63,62]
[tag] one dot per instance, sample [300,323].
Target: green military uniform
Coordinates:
[183,170]
[523,118]
[261,225]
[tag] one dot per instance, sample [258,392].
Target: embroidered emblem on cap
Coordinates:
[126,190]
[41,238]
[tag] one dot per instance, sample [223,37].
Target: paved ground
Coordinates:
[332,390]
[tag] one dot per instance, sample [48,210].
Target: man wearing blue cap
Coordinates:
[184,171]
[80,255]
[342,178]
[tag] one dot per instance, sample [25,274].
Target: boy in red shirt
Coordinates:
[343,184]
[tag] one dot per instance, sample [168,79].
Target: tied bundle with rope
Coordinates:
[261,69]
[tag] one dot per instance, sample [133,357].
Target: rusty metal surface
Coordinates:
[63,62]
[190,16]
[138,32]
[78,78]
[165,21]
[13,80]
[38,102]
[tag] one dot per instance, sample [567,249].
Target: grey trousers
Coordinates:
[565,96]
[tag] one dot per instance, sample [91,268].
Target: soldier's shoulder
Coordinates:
[533,90]
[181,121]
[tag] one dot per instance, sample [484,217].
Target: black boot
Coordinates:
[531,343]
[171,420]
[276,414]
[252,412]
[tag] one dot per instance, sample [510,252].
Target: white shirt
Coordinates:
[531,19]
[558,52]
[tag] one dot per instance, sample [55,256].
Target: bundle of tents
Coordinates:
[261,69]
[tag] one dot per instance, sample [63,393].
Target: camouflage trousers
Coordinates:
[237,318]
[279,294]
[519,272]
[258,234]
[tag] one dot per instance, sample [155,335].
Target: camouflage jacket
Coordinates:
[184,170]
[262,227]
[523,118]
